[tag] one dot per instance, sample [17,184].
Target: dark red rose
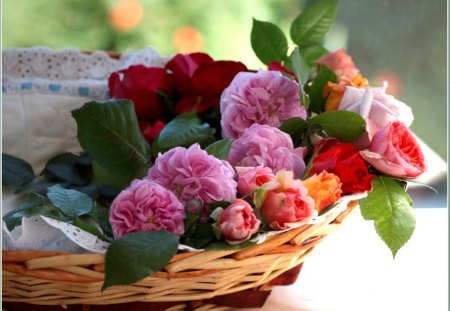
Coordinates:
[276,66]
[199,80]
[183,68]
[210,79]
[150,131]
[195,103]
[343,160]
[141,85]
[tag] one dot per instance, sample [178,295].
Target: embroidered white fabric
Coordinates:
[40,88]
[68,71]
[43,233]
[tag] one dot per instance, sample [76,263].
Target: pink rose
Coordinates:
[263,145]
[376,107]
[146,206]
[285,202]
[341,63]
[251,178]
[263,97]
[238,222]
[395,151]
[193,174]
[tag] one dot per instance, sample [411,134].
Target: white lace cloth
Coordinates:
[40,88]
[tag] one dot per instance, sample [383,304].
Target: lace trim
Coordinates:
[68,71]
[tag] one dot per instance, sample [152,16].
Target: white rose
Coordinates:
[376,107]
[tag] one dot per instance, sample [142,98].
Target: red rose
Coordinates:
[149,131]
[141,85]
[199,80]
[343,160]
[276,66]
[183,68]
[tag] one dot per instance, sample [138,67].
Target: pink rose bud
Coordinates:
[251,178]
[395,151]
[286,204]
[238,222]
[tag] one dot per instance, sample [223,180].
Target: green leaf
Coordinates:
[201,237]
[109,132]
[268,42]
[113,179]
[313,23]
[296,128]
[89,228]
[32,206]
[390,207]
[315,92]
[70,168]
[220,148]
[301,71]
[70,202]
[312,53]
[101,216]
[138,255]
[346,126]
[185,130]
[16,172]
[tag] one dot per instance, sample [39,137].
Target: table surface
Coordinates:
[352,269]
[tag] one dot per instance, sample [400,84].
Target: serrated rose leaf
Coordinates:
[71,202]
[345,126]
[268,42]
[220,148]
[313,23]
[138,255]
[390,207]
[109,132]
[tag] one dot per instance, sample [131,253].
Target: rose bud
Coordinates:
[251,178]
[324,188]
[237,222]
[285,202]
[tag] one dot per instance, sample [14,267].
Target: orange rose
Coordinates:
[324,188]
[335,91]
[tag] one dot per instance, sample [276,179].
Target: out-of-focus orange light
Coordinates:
[187,40]
[126,15]
[394,83]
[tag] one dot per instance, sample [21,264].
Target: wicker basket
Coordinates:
[191,281]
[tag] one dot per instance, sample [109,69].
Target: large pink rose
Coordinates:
[237,222]
[251,178]
[341,63]
[263,97]
[193,174]
[263,145]
[146,206]
[376,107]
[285,202]
[395,151]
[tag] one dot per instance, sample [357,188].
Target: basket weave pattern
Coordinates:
[50,278]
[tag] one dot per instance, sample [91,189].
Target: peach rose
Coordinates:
[335,91]
[324,188]
[341,63]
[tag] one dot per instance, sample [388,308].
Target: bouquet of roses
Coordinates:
[208,154]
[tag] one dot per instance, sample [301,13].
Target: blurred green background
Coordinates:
[402,41]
